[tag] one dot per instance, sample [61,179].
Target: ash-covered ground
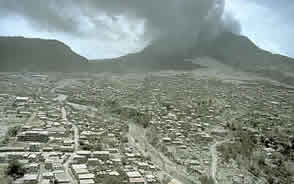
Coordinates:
[210,125]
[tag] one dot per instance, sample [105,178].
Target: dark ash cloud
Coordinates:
[180,22]
[51,15]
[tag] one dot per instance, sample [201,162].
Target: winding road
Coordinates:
[169,168]
[76,148]
[214,158]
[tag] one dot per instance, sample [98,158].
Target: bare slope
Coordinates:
[24,54]
[242,53]
[236,51]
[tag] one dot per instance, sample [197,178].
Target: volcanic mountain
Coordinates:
[27,54]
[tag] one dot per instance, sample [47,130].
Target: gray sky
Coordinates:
[107,28]
[268,23]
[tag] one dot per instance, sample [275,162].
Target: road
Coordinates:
[41,171]
[76,148]
[31,118]
[76,130]
[68,171]
[214,158]
[169,168]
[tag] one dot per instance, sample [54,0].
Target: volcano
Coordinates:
[26,54]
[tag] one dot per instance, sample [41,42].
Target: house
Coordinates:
[32,158]
[103,155]
[166,140]
[32,168]
[113,173]
[90,181]
[45,182]
[33,136]
[66,148]
[87,176]
[58,132]
[151,179]
[79,169]
[49,164]
[12,149]
[79,159]
[116,161]
[143,165]
[133,174]
[112,150]
[47,149]
[68,142]
[174,181]
[30,179]
[15,156]
[86,154]
[3,158]
[57,167]
[61,178]
[18,181]
[136,180]
[20,99]
[79,166]
[48,175]
[35,147]
[93,161]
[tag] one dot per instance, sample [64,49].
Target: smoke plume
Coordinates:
[178,23]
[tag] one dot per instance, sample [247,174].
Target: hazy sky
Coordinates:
[269,23]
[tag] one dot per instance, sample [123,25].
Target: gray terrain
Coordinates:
[214,114]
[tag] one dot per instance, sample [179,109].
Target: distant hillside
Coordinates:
[240,52]
[234,50]
[26,54]
[23,54]
[156,56]
[29,54]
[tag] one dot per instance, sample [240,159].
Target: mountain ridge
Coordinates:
[35,54]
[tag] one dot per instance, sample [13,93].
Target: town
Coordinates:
[148,128]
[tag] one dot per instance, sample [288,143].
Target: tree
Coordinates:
[15,169]
[6,180]
[206,180]
[12,132]
[112,180]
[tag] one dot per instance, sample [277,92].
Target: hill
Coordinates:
[230,49]
[27,54]
[157,56]
[242,53]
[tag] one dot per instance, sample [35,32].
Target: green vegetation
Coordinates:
[206,180]
[15,169]
[112,180]
[4,178]
[245,150]
[12,132]
[243,147]
[153,137]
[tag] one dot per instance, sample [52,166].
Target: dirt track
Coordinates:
[214,159]
[168,167]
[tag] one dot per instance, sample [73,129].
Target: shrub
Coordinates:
[12,132]
[206,180]
[15,169]
[112,180]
